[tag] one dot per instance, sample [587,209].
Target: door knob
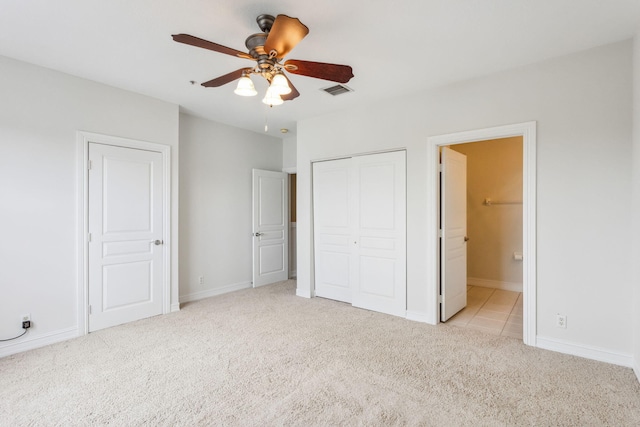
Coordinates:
[466,239]
[157,242]
[258,234]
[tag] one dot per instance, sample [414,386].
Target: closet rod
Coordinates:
[489,202]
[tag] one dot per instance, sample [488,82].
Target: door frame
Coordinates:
[527,131]
[82,150]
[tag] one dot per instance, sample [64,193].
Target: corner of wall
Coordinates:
[636,199]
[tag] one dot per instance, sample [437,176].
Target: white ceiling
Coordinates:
[394,47]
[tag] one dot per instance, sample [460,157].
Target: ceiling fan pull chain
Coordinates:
[266,121]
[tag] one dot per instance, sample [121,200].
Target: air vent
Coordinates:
[337,90]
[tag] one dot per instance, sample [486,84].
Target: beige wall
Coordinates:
[494,171]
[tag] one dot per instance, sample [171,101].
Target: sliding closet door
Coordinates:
[379,251]
[359,208]
[332,229]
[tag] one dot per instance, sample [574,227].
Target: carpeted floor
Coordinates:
[266,357]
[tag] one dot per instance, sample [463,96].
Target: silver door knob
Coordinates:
[258,234]
[157,242]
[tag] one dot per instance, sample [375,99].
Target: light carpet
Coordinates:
[266,357]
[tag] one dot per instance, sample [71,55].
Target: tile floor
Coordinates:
[491,310]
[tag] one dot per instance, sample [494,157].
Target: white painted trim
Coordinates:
[495,284]
[195,296]
[83,139]
[39,341]
[290,170]
[588,352]
[528,132]
[304,293]
[636,369]
[175,306]
[293,226]
[419,316]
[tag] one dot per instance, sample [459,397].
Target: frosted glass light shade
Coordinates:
[272,98]
[245,87]
[280,85]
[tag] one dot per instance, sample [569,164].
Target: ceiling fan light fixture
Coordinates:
[245,87]
[271,98]
[280,85]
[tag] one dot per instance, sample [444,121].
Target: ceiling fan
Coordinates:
[278,37]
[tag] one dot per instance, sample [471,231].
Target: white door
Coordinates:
[125,229]
[270,227]
[379,242]
[332,229]
[453,214]
[359,223]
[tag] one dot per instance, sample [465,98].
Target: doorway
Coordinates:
[527,131]
[492,219]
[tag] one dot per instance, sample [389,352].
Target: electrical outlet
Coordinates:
[26,321]
[201,280]
[561,321]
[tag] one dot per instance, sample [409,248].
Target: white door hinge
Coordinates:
[440,233]
[439,167]
[89,237]
[89,165]
[89,308]
[439,299]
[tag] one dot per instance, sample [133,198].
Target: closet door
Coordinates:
[359,208]
[378,252]
[332,229]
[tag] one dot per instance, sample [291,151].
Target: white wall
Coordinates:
[40,112]
[215,203]
[636,198]
[289,152]
[582,105]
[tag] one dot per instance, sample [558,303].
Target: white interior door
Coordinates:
[453,258]
[332,229]
[125,231]
[270,227]
[379,244]
[359,223]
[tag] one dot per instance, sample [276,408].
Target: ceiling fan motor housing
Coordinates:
[265,22]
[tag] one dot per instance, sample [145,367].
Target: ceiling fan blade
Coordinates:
[320,70]
[285,34]
[294,92]
[223,80]
[205,44]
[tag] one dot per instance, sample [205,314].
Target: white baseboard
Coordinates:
[495,284]
[585,351]
[214,292]
[419,316]
[304,293]
[636,369]
[175,307]
[38,341]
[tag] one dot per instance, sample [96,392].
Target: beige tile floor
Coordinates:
[491,310]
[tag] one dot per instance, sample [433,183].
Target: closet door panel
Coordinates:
[379,252]
[332,224]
